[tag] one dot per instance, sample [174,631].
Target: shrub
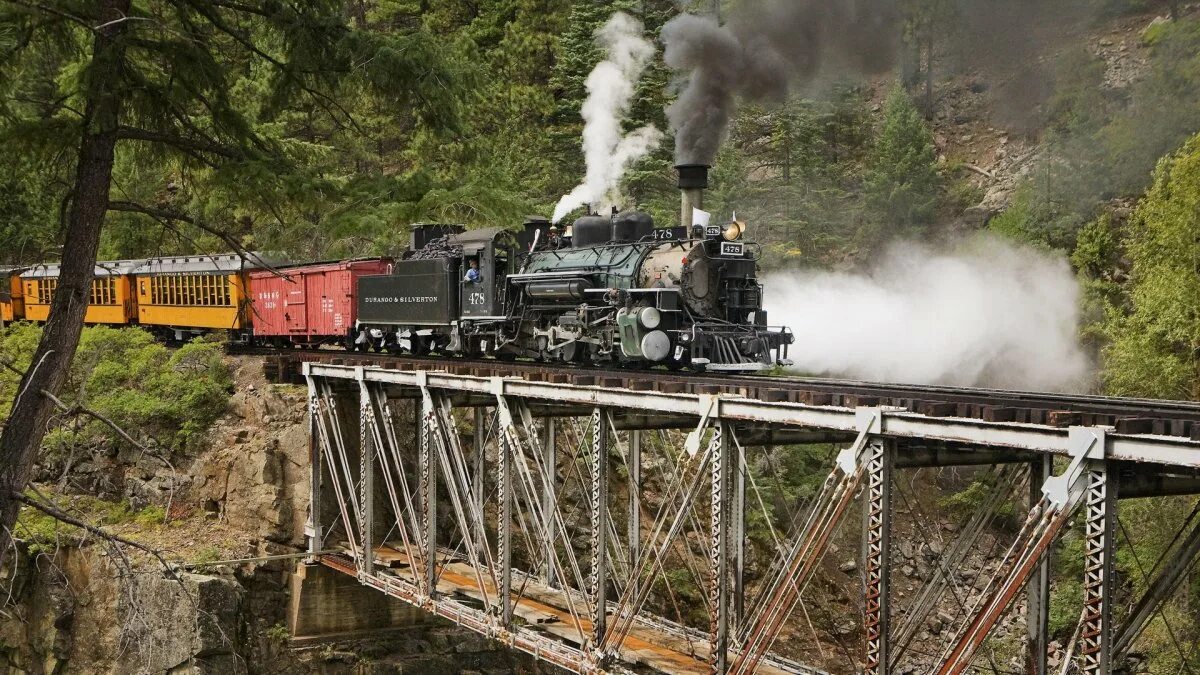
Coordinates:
[1153,350]
[150,391]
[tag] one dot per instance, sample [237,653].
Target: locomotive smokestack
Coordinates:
[693,181]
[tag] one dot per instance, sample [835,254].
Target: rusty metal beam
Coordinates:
[877,533]
[1100,504]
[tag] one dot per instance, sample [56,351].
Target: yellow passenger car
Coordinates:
[111,300]
[193,294]
[12,304]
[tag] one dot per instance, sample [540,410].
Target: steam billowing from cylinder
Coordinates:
[611,85]
[988,314]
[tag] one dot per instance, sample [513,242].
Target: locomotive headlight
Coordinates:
[650,317]
[734,231]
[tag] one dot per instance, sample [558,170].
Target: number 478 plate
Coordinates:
[732,248]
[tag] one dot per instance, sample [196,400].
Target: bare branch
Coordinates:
[7,365]
[80,410]
[121,20]
[63,516]
[167,215]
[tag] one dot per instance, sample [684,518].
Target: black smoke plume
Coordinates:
[769,47]
[760,52]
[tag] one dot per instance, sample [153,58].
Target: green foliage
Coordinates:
[256,119]
[43,533]
[1066,601]
[1103,145]
[902,182]
[150,516]
[1154,344]
[974,496]
[1036,218]
[278,634]
[207,556]
[794,173]
[170,396]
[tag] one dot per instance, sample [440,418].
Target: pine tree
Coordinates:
[902,182]
[170,92]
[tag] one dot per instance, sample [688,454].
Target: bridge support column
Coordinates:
[366,500]
[314,529]
[1037,614]
[549,498]
[738,533]
[877,515]
[504,525]
[428,490]
[635,494]
[601,422]
[479,471]
[719,591]
[1099,548]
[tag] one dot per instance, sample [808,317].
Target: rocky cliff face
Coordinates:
[74,608]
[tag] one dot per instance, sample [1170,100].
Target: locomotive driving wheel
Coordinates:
[418,344]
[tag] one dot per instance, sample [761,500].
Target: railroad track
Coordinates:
[1128,416]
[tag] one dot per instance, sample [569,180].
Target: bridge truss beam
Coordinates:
[451,526]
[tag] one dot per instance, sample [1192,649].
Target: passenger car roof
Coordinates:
[113,268]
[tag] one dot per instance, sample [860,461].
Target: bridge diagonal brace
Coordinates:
[545,512]
[395,477]
[668,526]
[332,447]
[1061,495]
[783,592]
[1172,572]
[452,462]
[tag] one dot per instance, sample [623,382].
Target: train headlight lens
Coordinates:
[650,318]
[734,231]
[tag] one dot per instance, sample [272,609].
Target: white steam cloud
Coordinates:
[984,314]
[607,151]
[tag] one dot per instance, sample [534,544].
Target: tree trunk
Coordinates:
[31,411]
[929,72]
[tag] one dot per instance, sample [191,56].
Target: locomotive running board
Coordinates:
[736,367]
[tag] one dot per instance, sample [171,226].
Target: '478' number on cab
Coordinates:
[476,299]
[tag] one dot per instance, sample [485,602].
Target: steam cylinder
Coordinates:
[570,289]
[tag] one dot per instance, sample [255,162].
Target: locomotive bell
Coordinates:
[733,231]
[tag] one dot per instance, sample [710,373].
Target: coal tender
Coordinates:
[605,290]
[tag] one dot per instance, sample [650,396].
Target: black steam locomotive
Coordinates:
[604,290]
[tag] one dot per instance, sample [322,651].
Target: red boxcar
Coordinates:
[310,304]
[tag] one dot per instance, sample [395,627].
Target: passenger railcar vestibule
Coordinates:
[12,301]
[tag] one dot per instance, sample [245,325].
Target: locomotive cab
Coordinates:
[481,294]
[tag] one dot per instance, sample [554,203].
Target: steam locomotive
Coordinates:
[606,289]
[612,289]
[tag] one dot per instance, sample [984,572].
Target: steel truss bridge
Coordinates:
[563,516]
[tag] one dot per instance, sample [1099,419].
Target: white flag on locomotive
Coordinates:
[700,218]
